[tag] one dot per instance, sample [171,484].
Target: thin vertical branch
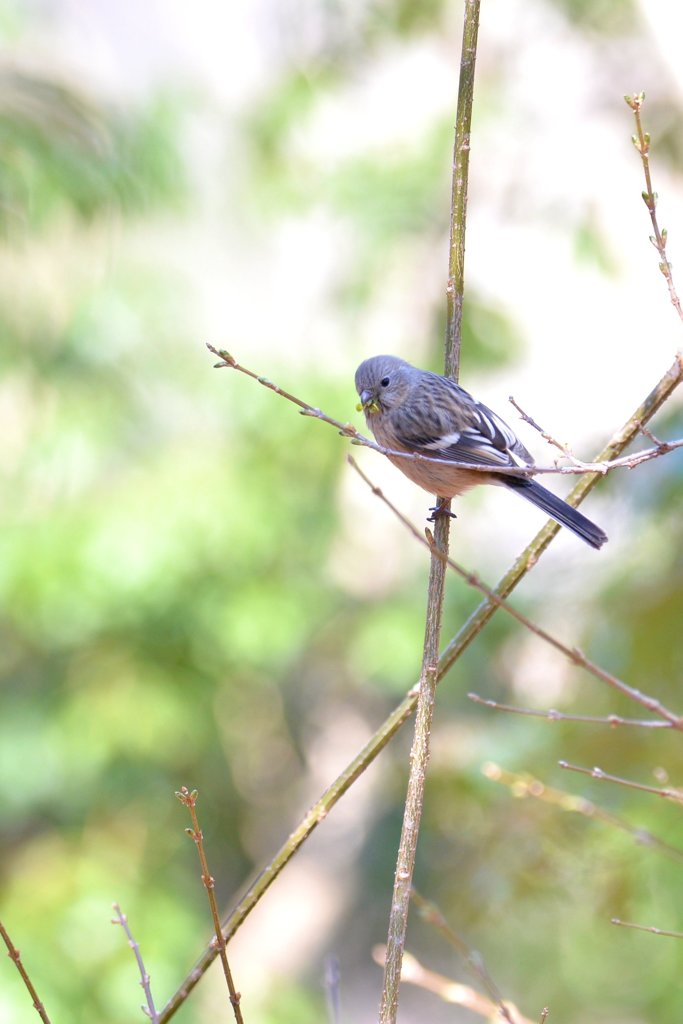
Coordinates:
[15,956]
[641,140]
[429,674]
[419,758]
[189,799]
[461,162]
[150,1009]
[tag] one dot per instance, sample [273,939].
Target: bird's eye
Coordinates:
[385,382]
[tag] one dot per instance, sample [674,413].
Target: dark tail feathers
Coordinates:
[557,509]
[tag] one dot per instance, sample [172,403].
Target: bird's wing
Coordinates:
[482,438]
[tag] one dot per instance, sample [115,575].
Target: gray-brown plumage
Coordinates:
[416,411]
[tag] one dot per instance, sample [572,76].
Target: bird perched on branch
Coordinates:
[415,411]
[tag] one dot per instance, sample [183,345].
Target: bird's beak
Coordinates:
[368,403]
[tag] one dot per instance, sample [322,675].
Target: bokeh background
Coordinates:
[195,588]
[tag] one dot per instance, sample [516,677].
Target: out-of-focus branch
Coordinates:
[602,776]
[450,991]
[647,928]
[523,785]
[430,913]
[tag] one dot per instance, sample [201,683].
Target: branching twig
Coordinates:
[646,928]
[566,451]
[576,656]
[189,799]
[641,140]
[577,468]
[446,989]
[602,776]
[430,913]
[150,1009]
[15,956]
[523,785]
[559,716]
[457,646]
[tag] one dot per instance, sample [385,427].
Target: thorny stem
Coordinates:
[189,799]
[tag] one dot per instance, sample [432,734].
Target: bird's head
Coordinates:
[382,383]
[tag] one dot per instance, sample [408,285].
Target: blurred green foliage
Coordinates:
[63,155]
[169,613]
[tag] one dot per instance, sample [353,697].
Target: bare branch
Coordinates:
[15,956]
[577,468]
[150,1009]
[641,140]
[467,633]
[189,799]
[429,674]
[523,785]
[448,990]
[558,716]
[430,913]
[647,928]
[576,656]
[602,776]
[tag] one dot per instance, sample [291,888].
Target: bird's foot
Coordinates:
[440,510]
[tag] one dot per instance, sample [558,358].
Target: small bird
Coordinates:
[412,410]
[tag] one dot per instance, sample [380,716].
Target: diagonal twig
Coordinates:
[524,785]
[15,956]
[574,654]
[646,928]
[474,962]
[576,468]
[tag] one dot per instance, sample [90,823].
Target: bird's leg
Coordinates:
[440,510]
